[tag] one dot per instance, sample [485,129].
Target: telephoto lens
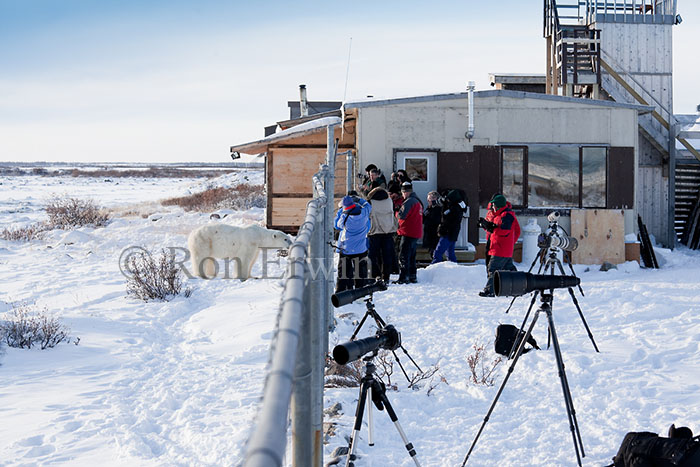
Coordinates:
[515,284]
[348,296]
[386,338]
[564,242]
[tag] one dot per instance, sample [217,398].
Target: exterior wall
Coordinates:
[441,125]
[498,120]
[642,52]
[642,55]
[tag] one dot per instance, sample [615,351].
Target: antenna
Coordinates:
[347,71]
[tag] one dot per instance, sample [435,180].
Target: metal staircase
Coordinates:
[573,60]
[686,197]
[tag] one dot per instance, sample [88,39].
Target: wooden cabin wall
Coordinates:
[289,169]
[289,184]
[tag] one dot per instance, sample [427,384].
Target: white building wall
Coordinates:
[441,125]
[498,120]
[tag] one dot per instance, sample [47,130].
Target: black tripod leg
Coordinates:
[568,259]
[580,313]
[568,400]
[516,343]
[378,319]
[503,384]
[403,370]
[364,388]
[359,326]
[381,393]
[538,256]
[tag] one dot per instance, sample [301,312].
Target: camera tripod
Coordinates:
[548,260]
[546,306]
[371,311]
[373,391]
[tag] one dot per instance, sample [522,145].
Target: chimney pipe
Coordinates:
[303,104]
[470,128]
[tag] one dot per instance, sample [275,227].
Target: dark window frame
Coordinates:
[526,181]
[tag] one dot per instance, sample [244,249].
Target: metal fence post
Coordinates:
[329,216]
[317,315]
[302,403]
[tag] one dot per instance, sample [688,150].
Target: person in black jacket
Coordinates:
[450,224]
[431,220]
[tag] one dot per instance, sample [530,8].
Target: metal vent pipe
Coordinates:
[303,103]
[470,128]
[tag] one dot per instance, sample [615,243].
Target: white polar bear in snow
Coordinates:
[240,244]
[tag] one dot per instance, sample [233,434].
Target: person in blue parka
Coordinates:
[353,222]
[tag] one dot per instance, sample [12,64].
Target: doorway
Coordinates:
[421,166]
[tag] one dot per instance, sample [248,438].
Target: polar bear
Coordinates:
[240,244]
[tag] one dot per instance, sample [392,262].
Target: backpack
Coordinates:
[506,337]
[644,449]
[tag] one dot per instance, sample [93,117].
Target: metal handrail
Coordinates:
[299,338]
[630,76]
[267,443]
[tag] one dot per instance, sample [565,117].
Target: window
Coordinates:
[513,175]
[593,180]
[553,175]
[417,169]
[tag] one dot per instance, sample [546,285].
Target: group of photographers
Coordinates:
[390,216]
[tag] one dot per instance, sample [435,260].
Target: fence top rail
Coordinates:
[266,445]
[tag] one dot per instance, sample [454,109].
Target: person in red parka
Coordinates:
[503,231]
[490,213]
[410,230]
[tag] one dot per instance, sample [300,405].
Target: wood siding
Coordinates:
[289,173]
[652,201]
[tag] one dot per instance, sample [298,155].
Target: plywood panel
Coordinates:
[289,211]
[600,234]
[293,168]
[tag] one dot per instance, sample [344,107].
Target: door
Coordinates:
[421,167]
[461,170]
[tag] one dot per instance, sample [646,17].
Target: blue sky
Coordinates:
[183,80]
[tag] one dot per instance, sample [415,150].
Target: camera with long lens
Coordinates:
[348,296]
[515,284]
[387,338]
[553,240]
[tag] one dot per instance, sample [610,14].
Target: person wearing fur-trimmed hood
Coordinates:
[381,233]
[353,222]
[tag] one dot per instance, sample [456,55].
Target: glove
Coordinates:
[486,225]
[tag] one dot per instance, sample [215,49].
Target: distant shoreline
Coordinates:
[124,169]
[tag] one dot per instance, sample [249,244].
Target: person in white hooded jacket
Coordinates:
[381,233]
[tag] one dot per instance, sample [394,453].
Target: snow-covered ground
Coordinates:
[178,383]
